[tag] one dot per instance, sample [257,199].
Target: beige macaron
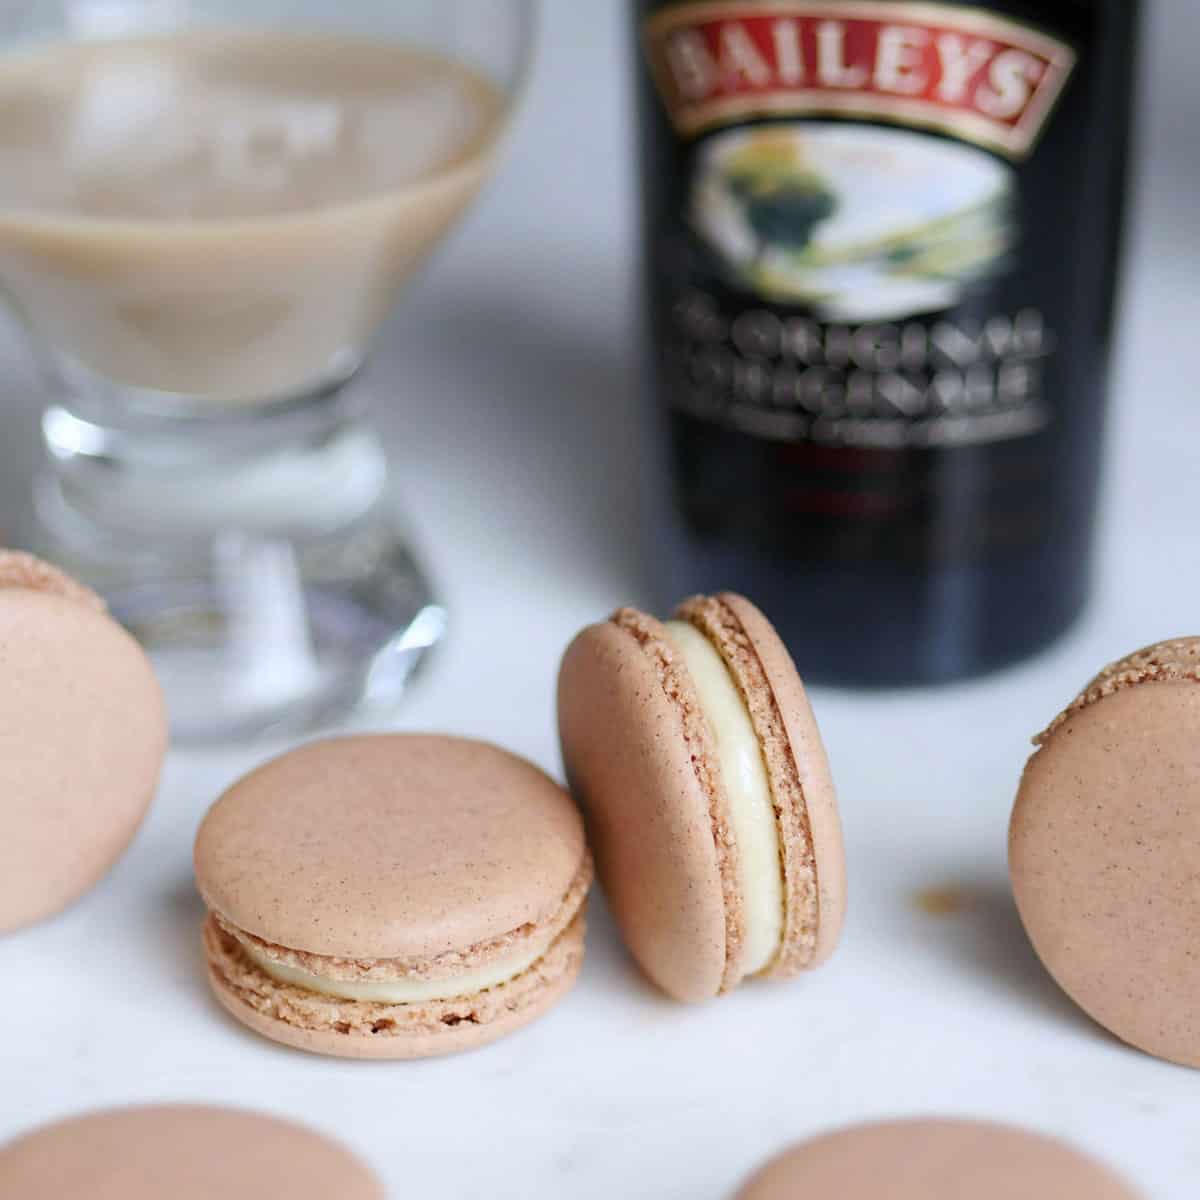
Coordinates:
[184,1152]
[83,731]
[1104,849]
[692,746]
[934,1160]
[393,896]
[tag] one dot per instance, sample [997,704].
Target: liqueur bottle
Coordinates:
[880,246]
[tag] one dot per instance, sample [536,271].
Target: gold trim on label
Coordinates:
[1015,141]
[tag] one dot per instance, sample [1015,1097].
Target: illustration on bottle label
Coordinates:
[856,222]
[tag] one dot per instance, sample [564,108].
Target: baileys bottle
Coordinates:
[880,248]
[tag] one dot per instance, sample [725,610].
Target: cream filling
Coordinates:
[402,991]
[748,790]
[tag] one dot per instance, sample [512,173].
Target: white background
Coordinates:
[508,388]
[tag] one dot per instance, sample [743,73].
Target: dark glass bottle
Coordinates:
[880,243]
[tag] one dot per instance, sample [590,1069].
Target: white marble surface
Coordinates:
[512,427]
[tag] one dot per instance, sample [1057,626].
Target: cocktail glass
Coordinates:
[207,209]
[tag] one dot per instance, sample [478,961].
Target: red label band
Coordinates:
[981,77]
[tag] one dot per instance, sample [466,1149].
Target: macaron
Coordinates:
[693,749]
[186,1152]
[1104,849]
[83,732]
[393,896]
[934,1160]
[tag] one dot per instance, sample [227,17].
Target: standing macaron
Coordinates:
[181,1151]
[83,731]
[693,749]
[392,896]
[934,1160]
[1104,849]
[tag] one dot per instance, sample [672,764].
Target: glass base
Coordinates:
[255,557]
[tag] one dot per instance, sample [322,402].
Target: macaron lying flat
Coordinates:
[693,749]
[1104,849]
[83,731]
[934,1160]
[392,896]
[186,1152]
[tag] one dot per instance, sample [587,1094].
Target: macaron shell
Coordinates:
[185,1152]
[83,732]
[648,818]
[1103,851]
[934,1160]
[390,846]
[423,1031]
[812,764]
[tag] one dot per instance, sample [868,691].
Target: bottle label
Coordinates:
[974,75]
[848,266]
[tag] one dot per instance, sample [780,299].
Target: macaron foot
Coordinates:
[342,1028]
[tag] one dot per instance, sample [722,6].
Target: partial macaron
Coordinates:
[393,895]
[181,1151]
[693,749]
[1104,849]
[83,732]
[934,1160]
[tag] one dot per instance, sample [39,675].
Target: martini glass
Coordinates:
[207,209]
